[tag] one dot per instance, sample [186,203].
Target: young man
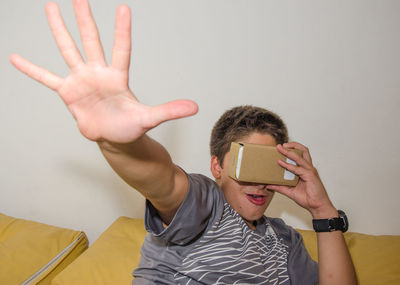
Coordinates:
[201,231]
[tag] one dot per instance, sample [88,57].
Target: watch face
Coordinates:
[343,216]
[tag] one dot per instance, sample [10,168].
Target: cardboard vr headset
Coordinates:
[259,164]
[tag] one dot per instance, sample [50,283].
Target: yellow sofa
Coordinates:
[113,256]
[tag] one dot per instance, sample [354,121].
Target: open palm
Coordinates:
[97,94]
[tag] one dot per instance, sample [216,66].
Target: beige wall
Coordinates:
[330,68]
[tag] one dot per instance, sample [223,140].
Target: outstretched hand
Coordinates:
[310,192]
[97,94]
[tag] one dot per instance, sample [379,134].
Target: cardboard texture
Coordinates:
[259,164]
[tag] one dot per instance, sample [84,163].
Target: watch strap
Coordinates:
[329,225]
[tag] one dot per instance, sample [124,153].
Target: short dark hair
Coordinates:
[240,122]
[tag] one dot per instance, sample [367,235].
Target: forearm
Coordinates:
[144,164]
[335,264]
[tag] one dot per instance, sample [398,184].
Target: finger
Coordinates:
[122,39]
[299,146]
[89,33]
[172,110]
[64,41]
[294,156]
[285,190]
[298,170]
[39,74]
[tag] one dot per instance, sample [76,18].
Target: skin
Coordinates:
[107,112]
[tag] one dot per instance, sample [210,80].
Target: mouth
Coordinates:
[258,200]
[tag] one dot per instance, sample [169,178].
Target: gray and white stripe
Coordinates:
[231,253]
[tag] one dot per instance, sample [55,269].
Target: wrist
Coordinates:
[326,212]
[113,148]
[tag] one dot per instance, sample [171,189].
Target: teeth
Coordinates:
[255,196]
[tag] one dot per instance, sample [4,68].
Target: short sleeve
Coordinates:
[202,203]
[301,267]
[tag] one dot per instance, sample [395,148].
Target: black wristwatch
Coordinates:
[329,225]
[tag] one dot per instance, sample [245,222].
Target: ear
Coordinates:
[215,167]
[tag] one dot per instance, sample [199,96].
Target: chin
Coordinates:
[253,217]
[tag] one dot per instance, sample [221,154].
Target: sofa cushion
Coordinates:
[110,259]
[113,257]
[376,258]
[32,253]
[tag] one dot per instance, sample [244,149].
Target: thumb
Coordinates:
[173,110]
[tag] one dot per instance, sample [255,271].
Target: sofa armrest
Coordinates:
[111,259]
[32,252]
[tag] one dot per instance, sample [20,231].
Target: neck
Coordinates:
[251,224]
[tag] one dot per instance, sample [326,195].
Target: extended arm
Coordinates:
[106,110]
[147,166]
[335,265]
